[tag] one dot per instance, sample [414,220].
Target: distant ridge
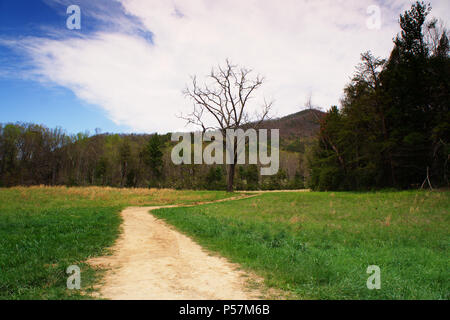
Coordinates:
[302,124]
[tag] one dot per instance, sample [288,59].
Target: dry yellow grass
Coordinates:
[41,195]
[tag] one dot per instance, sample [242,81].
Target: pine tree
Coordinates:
[153,156]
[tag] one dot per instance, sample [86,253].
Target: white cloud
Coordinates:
[300,46]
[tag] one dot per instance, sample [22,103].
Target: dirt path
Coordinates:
[152,261]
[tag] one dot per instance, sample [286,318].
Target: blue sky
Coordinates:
[125,70]
[26,100]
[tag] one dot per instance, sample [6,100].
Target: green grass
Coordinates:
[43,230]
[319,245]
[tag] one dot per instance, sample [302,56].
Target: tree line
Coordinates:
[33,154]
[393,127]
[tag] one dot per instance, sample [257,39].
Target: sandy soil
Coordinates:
[153,261]
[275,191]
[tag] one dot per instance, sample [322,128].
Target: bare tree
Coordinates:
[225,99]
[434,31]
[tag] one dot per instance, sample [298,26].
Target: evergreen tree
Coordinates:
[393,127]
[125,157]
[153,156]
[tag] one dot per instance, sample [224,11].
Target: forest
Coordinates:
[393,127]
[33,154]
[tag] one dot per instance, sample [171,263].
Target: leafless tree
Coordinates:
[433,33]
[225,100]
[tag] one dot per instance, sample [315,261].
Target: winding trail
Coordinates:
[153,261]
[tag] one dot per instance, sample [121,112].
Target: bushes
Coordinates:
[215,179]
[330,178]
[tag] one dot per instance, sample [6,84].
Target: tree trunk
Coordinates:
[389,153]
[230,177]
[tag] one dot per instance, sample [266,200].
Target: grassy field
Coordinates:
[43,230]
[312,245]
[319,245]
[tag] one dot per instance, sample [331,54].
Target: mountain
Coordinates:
[296,130]
[303,124]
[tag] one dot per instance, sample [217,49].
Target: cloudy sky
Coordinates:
[125,69]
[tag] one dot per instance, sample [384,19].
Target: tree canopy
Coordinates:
[392,129]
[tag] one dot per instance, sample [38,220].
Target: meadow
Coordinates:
[43,230]
[319,245]
[308,245]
